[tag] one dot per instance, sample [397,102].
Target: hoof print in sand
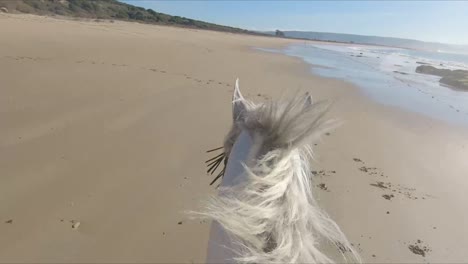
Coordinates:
[369,170]
[322,173]
[398,190]
[323,186]
[343,249]
[388,196]
[381,185]
[419,248]
[395,189]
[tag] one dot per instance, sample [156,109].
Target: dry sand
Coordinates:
[106,124]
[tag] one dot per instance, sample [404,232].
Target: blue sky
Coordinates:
[444,21]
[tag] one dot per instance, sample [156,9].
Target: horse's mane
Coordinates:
[273,217]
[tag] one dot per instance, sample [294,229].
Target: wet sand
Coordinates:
[106,124]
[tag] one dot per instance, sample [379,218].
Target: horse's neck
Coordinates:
[220,249]
[243,153]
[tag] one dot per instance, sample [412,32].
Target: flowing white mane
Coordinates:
[271,216]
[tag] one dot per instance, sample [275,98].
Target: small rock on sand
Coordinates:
[4,9]
[9,221]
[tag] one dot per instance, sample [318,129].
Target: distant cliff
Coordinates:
[457,79]
[374,40]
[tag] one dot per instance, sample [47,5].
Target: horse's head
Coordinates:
[265,211]
[259,128]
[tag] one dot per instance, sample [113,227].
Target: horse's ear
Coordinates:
[238,102]
[308,100]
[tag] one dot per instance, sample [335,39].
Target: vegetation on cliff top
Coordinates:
[108,9]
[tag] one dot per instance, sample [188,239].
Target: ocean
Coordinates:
[387,75]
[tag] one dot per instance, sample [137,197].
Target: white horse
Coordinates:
[264,211]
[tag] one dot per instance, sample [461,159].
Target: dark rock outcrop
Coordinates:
[457,79]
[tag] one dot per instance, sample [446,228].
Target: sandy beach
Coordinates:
[106,125]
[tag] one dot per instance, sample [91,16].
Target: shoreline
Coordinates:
[408,116]
[447,109]
[115,140]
